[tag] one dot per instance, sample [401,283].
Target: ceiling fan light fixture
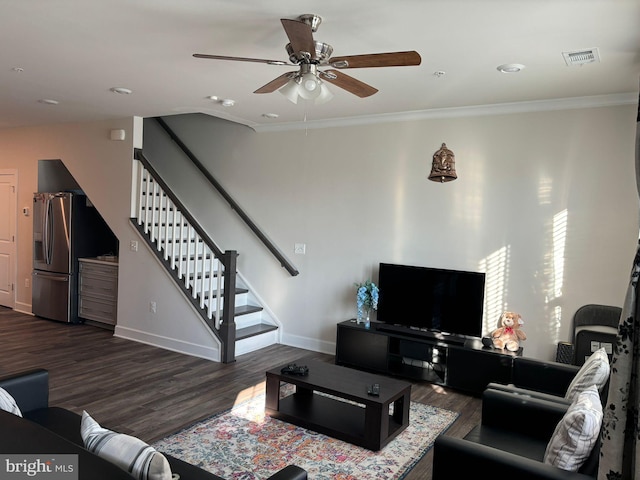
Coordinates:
[325,95]
[309,86]
[290,90]
[306,89]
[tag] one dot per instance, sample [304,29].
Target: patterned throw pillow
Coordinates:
[125,451]
[577,432]
[8,403]
[595,371]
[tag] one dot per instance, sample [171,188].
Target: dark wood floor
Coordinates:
[150,393]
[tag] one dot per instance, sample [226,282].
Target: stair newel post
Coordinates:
[228,326]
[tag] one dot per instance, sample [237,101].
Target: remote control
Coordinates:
[294,369]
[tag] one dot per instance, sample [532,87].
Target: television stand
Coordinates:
[463,364]
[421,333]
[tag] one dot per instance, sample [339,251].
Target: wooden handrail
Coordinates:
[234,205]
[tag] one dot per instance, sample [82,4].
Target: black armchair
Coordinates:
[511,440]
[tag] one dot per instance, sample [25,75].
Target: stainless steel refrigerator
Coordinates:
[63,231]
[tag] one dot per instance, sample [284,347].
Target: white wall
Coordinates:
[358,196]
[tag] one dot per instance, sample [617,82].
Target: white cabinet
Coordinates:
[98,290]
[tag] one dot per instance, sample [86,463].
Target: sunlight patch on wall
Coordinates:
[556,274]
[556,321]
[496,268]
[559,238]
[545,189]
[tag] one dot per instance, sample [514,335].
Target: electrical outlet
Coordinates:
[153,307]
[27,282]
[133,245]
[300,248]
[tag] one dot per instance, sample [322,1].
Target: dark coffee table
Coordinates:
[333,400]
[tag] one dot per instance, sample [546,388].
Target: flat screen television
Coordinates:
[431,299]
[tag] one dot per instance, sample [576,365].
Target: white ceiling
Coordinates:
[75,51]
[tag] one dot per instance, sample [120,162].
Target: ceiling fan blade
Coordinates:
[300,36]
[240,59]
[276,83]
[350,84]
[393,59]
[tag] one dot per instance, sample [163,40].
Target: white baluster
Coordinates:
[210,289]
[181,248]
[147,187]
[219,282]
[154,204]
[187,272]
[140,172]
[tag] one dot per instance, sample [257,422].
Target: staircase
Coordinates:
[205,274]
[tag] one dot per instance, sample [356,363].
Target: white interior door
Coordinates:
[7,238]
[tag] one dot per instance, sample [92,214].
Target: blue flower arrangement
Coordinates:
[366,297]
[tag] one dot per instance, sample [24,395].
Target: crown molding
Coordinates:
[595,101]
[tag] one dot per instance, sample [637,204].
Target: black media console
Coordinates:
[455,362]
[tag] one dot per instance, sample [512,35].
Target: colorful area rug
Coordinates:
[246,444]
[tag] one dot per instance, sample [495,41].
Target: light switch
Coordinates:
[300,248]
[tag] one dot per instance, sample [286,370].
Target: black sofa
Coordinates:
[54,430]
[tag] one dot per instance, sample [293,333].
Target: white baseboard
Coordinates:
[201,351]
[23,308]
[212,353]
[308,343]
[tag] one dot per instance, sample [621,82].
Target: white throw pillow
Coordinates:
[125,451]
[577,432]
[8,403]
[595,371]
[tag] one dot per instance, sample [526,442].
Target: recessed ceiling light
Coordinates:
[270,115]
[225,102]
[121,90]
[48,101]
[510,68]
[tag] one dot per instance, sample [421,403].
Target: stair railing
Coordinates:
[191,257]
[275,251]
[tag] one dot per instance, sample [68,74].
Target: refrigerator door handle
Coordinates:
[48,276]
[47,230]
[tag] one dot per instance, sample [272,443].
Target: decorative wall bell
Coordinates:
[443,168]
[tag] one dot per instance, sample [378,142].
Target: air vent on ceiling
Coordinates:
[580,57]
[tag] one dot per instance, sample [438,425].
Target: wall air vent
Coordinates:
[580,57]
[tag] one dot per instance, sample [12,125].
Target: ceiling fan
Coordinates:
[310,55]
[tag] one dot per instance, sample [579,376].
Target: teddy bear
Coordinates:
[509,334]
